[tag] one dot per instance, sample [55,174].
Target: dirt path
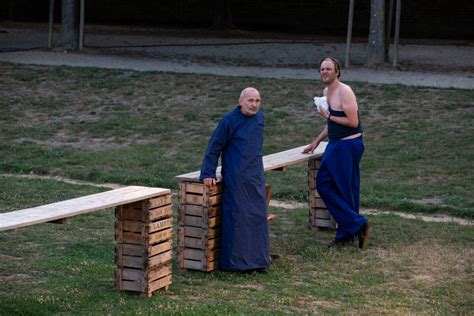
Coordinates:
[273,203]
[427,64]
[425,218]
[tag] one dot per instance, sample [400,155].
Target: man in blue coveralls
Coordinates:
[239,139]
[338,179]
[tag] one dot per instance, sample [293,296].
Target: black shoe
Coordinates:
[274,257]
[262,270]
[247,272]
[363,235]
[339,242]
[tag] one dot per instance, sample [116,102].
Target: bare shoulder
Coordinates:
[348,97]
[325,91]
[345,89]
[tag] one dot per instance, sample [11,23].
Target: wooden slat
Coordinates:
[159,248]
[199,210]
[73,207]
[160,259]
[324,223]
[160,236]
[200,232]
[200,265]
[270,162]
[133,275]
[317,202]
[131,250]
[160,225]
[159,273]
[160,212]
[158,284]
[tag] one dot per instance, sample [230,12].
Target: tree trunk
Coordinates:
[222,15]
[70,25]
[376,46]
[388,28]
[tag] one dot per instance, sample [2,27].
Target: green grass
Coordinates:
[410,267]
[138,128]
[146,128]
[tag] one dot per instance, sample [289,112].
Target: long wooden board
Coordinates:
[278,160]
[81,205]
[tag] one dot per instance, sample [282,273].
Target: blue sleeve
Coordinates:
[216,144]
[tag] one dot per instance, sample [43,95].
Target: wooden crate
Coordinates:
[143,252]
[319,216]
[199,248]
[199,231]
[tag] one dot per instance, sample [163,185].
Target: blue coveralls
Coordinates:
[245,239]
[338,181]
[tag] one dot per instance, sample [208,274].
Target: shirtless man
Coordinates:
[338,178]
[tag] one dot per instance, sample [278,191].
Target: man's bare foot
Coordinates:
[271,217]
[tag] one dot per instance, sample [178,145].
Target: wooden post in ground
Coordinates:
[397,33]
[349,32]
[51,22]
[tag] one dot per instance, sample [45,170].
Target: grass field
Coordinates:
[132,128]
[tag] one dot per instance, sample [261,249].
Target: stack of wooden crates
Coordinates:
[143,252]
[319,216]
[199,231]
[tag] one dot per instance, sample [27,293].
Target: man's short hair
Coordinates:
[244,92]
[336,63]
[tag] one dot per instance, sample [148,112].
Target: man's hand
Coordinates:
[310,148]
[209,182]
[323,113]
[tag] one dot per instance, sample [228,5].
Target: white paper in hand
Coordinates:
[321,102]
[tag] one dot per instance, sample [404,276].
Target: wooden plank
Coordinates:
[73,207]
[131,262]
[160,225]
[200,232]
[190,242]
[195,199]
[203,222]
[199,265]
[160,212]
[324,223]
[133,286]
[160,236]
[201,243]
[131,250]
[160,259]
[159,273]
[198,254]
[193,265]
[133,275]
[132,226]
[192,187]
[317,203]
[159,284]
[270,162]
[159,248]
[129,213]
[322,214]
[160,201]
[199,210]
[130,238]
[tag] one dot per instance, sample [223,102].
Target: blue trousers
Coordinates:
[338,184]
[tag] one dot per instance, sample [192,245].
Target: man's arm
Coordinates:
[349,106]
[214,149]
[311,147]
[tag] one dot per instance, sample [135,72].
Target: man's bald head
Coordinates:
[249,101]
